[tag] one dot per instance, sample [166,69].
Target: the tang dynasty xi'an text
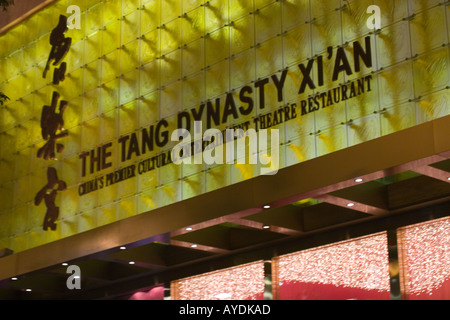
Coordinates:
[234,106]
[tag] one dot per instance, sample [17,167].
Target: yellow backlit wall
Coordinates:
[136,62]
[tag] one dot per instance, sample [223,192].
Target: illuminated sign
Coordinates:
[96,93]
[220,111]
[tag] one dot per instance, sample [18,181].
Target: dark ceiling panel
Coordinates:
[416,190]
[229,236]
[324,215]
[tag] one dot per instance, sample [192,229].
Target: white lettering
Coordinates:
[374,22]
[74,281]
[74,21]
[209,147]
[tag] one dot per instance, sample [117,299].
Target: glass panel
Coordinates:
[217,79]
[216,15]
[94,19]
[150,17]
[130,26]
[170,100]
[171,67]
[193,25]
[193,91]
[170,10]
[193,57]
[431,71]
[148,200]
[129,87]
[193,185]
[170,36]
[242,34]
[129,57]
[331,140]
[217,46]
[300,150]
[243,68]
[269,58]
[150,46]
[128,118]
[149,109]
[239,8]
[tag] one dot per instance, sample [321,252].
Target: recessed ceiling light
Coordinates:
[194,246]
[189,229]
[448,178]
[28,290]
[351,204]
[13,278]
[131,262]
[123,248]
[267,207]
[266,227]
[358,180]
[65,264]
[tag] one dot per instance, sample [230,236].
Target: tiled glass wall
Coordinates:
[133,63]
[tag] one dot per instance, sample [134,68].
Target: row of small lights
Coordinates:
[266,207]
[15,279]
[125,248]
[264,227]
[351,204]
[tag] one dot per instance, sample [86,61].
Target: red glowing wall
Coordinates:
[424,254]
[356,269]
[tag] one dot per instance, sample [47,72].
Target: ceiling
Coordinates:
[240,237]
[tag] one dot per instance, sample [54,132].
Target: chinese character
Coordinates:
[60,48]
[48,194]
[51,123]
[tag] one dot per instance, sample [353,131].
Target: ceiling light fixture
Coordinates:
[351,204]
[189,229]
[123,248]
[267,207]
[131,262]
[194,246]
[359,180]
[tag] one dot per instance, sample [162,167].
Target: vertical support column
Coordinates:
[394,267]
[268,295]
[167,292]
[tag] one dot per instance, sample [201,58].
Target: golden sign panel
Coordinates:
[137,70]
